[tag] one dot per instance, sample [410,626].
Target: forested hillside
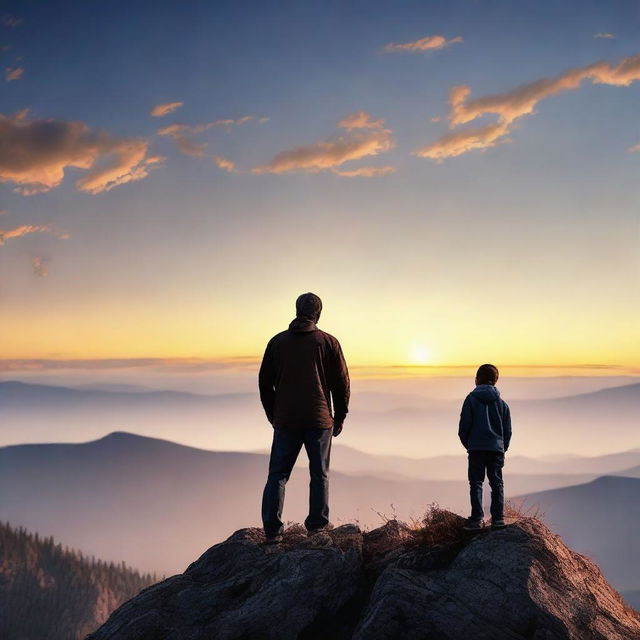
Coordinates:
[48,591]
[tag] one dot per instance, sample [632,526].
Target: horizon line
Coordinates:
[250,362]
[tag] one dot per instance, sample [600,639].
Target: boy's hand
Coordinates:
[337,429]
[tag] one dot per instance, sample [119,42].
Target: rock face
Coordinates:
[436,582]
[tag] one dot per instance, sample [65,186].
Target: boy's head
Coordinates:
[487,374]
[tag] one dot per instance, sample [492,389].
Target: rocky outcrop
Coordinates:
[430,582]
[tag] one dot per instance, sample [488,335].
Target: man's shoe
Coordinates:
[273,539]
[498,523]
[473,525]
[312,532]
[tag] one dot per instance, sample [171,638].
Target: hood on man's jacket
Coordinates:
[486,393]
[302,325]
[308,309]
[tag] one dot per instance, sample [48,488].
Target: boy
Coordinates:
[485,432]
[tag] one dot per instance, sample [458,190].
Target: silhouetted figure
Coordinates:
[485,432]
[302,371]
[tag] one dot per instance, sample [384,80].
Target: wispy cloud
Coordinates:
[227,122]
[183,134]
[368,138]
[35,154]
[184,143]
[636,147]
[366,172]
[11,21]
[428,43]
[13,73]
[605,35]
[360,120]
[224,163]
[516,103]
[25,229]
[40,267]
[193,365]
[128,164]
[164,109]
[456,143]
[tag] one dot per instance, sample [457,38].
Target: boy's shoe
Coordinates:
[498,524]
[473,525]
[276,539]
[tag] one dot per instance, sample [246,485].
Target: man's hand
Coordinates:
[337,429]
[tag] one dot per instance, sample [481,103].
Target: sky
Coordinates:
[458,181]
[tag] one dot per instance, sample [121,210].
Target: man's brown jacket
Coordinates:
[302,370]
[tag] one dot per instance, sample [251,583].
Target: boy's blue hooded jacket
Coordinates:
[485,421]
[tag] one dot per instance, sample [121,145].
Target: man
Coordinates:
[302,371]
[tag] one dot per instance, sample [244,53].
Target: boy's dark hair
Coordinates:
[487,374]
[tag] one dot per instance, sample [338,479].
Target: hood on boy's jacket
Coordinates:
[486,393]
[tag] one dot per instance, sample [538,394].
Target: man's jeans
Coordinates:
[492,462]
[284,452]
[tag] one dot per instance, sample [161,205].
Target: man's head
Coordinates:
[487,374]
[309,306]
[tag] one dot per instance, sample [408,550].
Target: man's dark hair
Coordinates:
[309,305]
[487,374]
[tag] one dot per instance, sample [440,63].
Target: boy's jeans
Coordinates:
[284,452]
[492,462]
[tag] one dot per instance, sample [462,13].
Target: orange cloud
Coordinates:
[428,43]
[35,154]
[13,73]
[155,160]
[366,172]
[224,163]
[128,164]
[164,109]
[40,267]
[183,142]
[360,120]
[635,148]
[518,102]
[456,143]
[25,229]
[606,36]
[181,133]
[325,155]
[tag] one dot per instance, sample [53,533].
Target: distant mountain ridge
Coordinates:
[236,421]
[109,495]
[19,388]
[15,393]
[127,496]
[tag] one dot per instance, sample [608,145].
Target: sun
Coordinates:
[420,354]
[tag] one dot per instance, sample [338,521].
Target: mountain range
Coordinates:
[380,423]
[155,503]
